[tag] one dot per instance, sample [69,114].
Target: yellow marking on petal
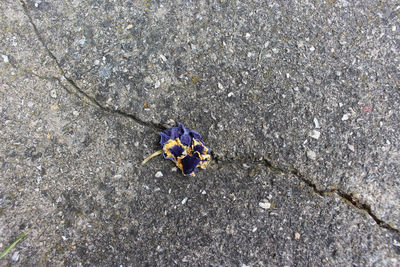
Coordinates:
[179,164]
[195,142]
[170,144]
[152,156]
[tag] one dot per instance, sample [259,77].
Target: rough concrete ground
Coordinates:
[299,102]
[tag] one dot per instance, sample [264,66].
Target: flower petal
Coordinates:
[186,140]
[165,136]
[176,150]
[171,148]
[188,164]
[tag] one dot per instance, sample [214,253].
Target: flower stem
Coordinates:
[152,156]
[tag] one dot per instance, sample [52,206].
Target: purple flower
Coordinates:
[186,148]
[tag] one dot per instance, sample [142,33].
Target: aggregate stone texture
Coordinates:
[313,87]
[72,179]
[299,102]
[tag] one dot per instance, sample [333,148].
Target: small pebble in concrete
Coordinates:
[351,147]
[315,134]
[5,58]
[345,117]
[316,123]
[158,174]
[296,236]
[184,201]
[264,205]
[163,58]
[311,155]
[53,93]
[367,109]
[15,256]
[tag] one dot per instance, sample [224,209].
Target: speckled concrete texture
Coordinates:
[298,100]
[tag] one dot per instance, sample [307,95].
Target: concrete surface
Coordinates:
[299,101]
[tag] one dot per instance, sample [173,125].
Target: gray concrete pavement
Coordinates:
[299,102]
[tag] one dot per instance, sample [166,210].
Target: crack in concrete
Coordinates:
[83,94]
[348,198]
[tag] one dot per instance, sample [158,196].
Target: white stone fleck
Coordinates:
[158,174]
[82,41]
[96,62]
[248,35]
[15,256]
[157,84]
[394,28]
[249,54]
[174,169]
[245,166]
[312,48]
[231,94]
[296,236]
[275,50]
[315,134]
[254,229]
[311,155]
[345,117]
[220,86]
[75,113]
[64,238]
[300,44]
[264,205]
[5,58]
[203,192]
[130,26]
[163,58]
[351,147]
[184,201]
[316,123]
[53,93]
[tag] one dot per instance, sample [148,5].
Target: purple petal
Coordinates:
[175,132]
[198,148]
[177,150]
[189,164]
[186,140]
[165,136]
